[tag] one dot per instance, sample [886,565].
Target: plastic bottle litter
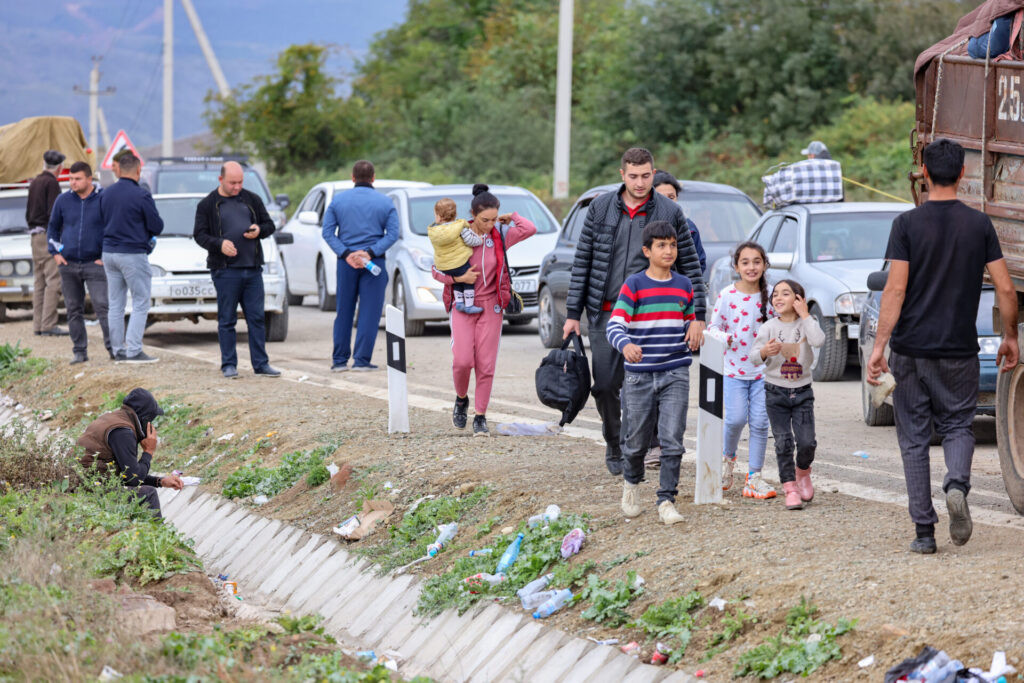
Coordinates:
[931,670]
[478,580]
[572,543]
[861,454]
[508,558]
[347,527]
[109,673]
[367,655]
[446,532]
[535,600]
[482,551]
[560,599]
[866,662]
[528,594]
[371,266]
[632,648]
[549,515]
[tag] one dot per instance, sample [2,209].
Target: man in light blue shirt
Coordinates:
[359,226]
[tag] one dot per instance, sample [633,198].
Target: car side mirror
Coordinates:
[781,260]
[309,218]
[284,237]
[282,201]
[877,280]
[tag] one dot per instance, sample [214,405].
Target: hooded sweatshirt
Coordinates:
[76,223]
[125,445]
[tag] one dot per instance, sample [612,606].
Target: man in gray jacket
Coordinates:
[609,250]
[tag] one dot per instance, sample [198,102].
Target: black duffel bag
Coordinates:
[563,379]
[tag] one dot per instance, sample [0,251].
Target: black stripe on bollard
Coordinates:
[709,376]
[396,346]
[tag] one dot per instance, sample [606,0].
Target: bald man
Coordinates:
[230,222]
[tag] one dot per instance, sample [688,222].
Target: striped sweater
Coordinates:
[654,315]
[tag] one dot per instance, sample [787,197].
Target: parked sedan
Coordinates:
[16,272]
[723,216]
[830,249]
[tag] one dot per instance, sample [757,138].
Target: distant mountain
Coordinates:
[48,44]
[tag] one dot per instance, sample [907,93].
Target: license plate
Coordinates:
[524,285]
[196,290]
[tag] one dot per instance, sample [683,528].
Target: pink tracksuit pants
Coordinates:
[475,341]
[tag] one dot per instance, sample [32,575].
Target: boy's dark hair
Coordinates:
[81,167]
[944,160]
[362,171]
[483,199]
[637,156]
[657,230]
[666,178]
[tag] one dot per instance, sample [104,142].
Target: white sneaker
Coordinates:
[668,513]
[757,487]
[728,467]
[630,506]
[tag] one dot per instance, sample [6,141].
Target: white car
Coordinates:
[182,288]
[310,265]
[16,278]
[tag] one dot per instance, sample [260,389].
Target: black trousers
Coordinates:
[75,277]
[148,495]
[607,373]
[791,414]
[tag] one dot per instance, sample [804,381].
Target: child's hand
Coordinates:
[772,348]
[800,306]
[632,353]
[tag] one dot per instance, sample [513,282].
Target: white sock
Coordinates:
[470,296]
[459,298]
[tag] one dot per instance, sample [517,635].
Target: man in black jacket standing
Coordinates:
[230,222]
[609,250]
[42,193]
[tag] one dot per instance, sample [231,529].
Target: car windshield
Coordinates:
[849,236]
[187,180]
[421,210]
[12,214]
[178,213]
[719,217]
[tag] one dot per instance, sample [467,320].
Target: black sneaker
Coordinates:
[613,461]
[459,416]
[79,358]
[925,545]
[267,371]
[960,525]
[55,332]
[480,426]
[229,372]
[118,357]
[140,357]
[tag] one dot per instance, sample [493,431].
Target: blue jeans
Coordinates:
[649,397]
[127,272]
[240,286]
[358,284]
[744,405]
[993,43]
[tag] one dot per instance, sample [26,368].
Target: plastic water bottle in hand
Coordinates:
[508,558]
[371,266]
[446,532]
[557,602]
[56,245]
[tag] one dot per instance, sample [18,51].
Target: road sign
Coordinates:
[120,142]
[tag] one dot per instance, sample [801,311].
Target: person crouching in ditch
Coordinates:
[111,445]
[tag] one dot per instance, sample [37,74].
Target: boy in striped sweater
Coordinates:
[648,326]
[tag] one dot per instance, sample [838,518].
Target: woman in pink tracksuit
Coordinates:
[475,338]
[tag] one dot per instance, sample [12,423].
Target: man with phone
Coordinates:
[230,222]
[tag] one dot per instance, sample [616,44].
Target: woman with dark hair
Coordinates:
[475,338]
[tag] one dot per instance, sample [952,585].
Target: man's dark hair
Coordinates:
[129,163]
[944,160]
[81,167]
[362,171]
[666,178]
[657,230]
[637,156]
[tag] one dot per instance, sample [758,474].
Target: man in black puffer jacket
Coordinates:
[609,250]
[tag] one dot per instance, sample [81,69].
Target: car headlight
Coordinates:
[422,259]
[157,271]
[23,267]
[989,346]
[6,268]
[850,303]
[272,268]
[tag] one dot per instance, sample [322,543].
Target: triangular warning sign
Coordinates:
[121,141]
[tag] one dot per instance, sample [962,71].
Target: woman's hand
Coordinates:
[505,218]
[469,277]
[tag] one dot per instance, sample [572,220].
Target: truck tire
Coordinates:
[832,356]
[873,417]
[325,301]
[277,324]
[550,320]
[1010,433]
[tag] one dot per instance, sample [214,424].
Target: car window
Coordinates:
[182,180]
[850,236]
[719,217]
[178,214]
[309,202]
[421,210]
[574,224]
[12,214]
[787,239]
[766,234]
[318,205]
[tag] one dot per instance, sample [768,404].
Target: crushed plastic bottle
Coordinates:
[934,670]
[557,602]
[446,532]
[508,558]
[549,515]
[482,551]
[527,594]
[572,543]
[56,245]
[478,580]
[861,454]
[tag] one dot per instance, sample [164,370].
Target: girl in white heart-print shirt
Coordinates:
[740,310]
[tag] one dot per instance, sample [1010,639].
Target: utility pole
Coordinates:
[563,100]
[104,131]
[94,93]
[167,149]
[204,45]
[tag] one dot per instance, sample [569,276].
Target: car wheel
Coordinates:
[832,356]
[293,299]
[881,416]
[413,328]
[3,312]
[325,301]
[549,320]
[277,324]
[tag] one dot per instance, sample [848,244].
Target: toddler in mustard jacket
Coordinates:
[453,241]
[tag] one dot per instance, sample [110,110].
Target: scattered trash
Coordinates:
[191,481]
[550,514]
[231,586]
[222,577]
[505,531]
[861,454]
[388,486]
[260,499]
[638,582]
[528,429]
[373,511]
[607,641]
[80,375]
[391,665]
[718,603]
[45,415]
[477,580]
[881,391]
[446,532]
[448,459]
[632,648]
[572,543]
[304,378]
[660,654]
[533,595]
[226,437]
[699,673]
[416,503]
[482,551]
[560,599]
[866,662]
[348,526]
[332,469]
[508,558]
[998,671]
[366,656]
[109,674]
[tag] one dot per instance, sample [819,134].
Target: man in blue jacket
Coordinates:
[130,221]
[75,238]
[359,226]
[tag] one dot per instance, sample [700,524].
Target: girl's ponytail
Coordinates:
[763,283]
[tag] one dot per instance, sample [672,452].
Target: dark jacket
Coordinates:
[111,441]
[42,193]
[209,234]
[594,258]
[698,245]
[130,218]
[76,223]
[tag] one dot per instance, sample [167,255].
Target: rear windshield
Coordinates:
[719,217]
[178,214]
[12,214]
[188,180]
[421,210]
[849,236]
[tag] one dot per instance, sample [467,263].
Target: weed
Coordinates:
[27,461]
[608,606]
[622,559]
[15,364]
[318,474]
[488,526]
[672,621]
[311,623]
[732,625]
[368,491]
[251,479]
[571,575]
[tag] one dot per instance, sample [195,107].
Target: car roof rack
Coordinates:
[199,159]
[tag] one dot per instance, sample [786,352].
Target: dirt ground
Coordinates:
[847,555]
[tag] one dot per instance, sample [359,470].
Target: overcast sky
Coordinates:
[47,46]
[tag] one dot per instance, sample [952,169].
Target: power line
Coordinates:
[144,105]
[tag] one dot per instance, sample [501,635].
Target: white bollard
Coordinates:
[708,488]
[398,391]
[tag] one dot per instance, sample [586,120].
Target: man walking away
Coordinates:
[937,255]
[609,250]
[75,239]
[230,222]
[359,226]
[131,222]
[42,193]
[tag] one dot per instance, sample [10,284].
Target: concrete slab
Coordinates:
[615,668]
[681,677]
[490,641]
[396,623]
[348,584]
[547,643]
[209,525]
[204,505]
[172,502]
[222,558]
[320,588]
[439,642]
[451,662]
[409,635]
[289,565]
[562,660]
[305,573]
[364,620]
[508,653]
[647,673]
[353,599]
[590,663]
[257,552]
[266,555]
[230,528]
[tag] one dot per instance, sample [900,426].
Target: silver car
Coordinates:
[830,249]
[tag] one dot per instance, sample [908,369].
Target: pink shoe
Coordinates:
[804,485]
[793,501]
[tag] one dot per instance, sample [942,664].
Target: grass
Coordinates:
[252,479]
[16,365]
[673,622]
[608,604]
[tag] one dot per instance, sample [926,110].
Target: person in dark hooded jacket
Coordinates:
[111,444]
